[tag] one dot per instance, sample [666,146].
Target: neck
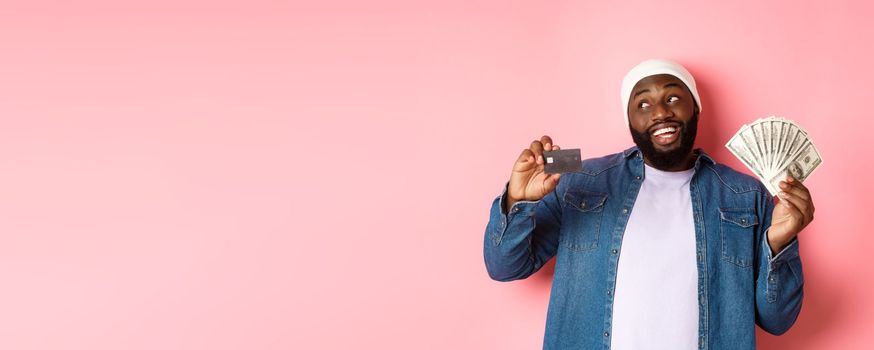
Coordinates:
[687,163]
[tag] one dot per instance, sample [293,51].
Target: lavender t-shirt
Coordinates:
[656,296]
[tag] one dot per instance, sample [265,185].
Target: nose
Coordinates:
[661,112]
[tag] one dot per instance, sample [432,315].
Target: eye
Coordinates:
[673,99]
[643,105]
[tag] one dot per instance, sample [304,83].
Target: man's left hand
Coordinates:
[793,212]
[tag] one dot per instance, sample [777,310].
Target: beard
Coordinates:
[666,159]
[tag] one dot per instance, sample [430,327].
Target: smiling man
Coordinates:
[658,246]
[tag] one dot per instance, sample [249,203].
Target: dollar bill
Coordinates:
[800,168]
[774,148]
[738,147]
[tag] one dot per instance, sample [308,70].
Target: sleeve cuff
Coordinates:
[520,207]
[789,252]
[500,221]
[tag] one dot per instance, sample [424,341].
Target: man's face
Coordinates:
[663,121]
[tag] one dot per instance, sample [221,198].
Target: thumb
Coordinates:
[551,182]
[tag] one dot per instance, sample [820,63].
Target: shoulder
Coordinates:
[735,180]
[596,166]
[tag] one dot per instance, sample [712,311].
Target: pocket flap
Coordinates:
[743,217]
[585,201]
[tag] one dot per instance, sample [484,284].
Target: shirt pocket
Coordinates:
[737,226]
[581,222]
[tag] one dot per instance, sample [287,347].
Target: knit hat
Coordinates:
[654,67]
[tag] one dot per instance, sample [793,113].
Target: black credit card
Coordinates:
[562,161]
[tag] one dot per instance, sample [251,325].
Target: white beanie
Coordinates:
[655,67]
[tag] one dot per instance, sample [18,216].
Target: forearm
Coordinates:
[515,244]
[779,288]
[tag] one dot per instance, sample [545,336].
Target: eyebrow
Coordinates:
[671,84]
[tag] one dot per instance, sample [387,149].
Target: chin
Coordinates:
[667,149]
[670,155]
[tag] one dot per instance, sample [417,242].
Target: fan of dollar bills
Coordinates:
[774,148]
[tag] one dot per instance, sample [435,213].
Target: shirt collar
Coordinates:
[703,157]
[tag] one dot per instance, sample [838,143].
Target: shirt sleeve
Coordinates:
[780,281]
[518,243]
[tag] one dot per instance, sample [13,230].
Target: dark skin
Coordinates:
[658,101]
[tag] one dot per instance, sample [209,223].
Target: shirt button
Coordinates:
[583,205]
[624,210]
[609,292]
[614,251]
[743,221]
[516,209]
[637,177]
[606,334]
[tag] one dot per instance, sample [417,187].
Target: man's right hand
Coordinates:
[528,182]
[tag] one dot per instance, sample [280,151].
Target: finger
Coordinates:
[555,148]
[537,149]
[799,184]
[791,181]
[525,156]
[794,212]
[550,183]
[547,142]
[788,205]
[552,180]
[796,202]
[795,189]
[525,162]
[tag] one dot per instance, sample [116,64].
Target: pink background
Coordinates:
[274,175]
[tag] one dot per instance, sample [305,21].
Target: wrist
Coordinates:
[777,244]
[508,203]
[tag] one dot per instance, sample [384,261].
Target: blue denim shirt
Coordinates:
[581,223]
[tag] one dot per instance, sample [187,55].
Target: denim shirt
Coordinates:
[581,223]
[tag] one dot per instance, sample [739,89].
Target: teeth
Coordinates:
[664,130]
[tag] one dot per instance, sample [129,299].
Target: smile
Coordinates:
[666,135]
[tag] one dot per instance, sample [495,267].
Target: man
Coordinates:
[659,246]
